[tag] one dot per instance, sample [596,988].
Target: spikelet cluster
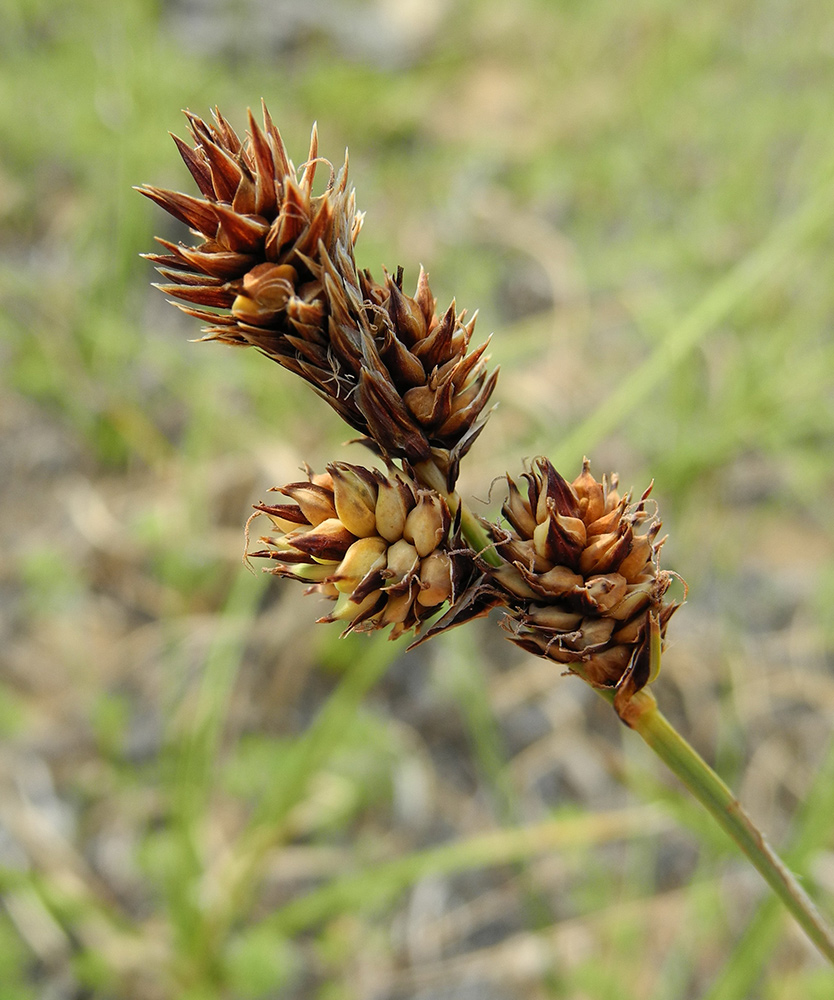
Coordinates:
[275,269]
[581,577]
[381,547]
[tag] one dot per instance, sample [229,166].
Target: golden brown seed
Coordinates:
[606,522]
[636,598]
[606,591]
[314,572]
[314,499]
[590,491]
[558,581]
[554,617]
[571,528]
[592,632]
[355,500]
[435,579]
[396,609]
[635,562]
[346,609]
[524,552]
[595,556]
[402,559]
[511,580]
[327,540]
[364,555]
[282,523]
[427,524]
[393,502]
[517,511]
[631,630]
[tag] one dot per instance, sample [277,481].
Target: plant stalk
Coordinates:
[642,714]
[645,718]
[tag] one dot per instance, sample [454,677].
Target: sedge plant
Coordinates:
[573,565]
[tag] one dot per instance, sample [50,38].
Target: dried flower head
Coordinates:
[385,550]
[581,576]
[275,270]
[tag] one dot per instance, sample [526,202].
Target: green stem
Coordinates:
[747,959]
[476,536]
[644,716]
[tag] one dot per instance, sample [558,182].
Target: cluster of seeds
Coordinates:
[379,546]
[580,575]
[274,268]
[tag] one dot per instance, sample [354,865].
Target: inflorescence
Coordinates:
[574,565]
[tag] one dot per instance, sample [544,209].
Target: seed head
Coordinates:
[581,578]
[275,270]
[385,550]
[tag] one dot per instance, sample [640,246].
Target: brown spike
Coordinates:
[210,258]
[174,248]
[291,222]
[194,212]
[240,232]
[558,489]
[388,422]
[320,227]
[216,319]
[224,264]
[433,349]
[311,352]
[408,320]
[466,415]
[227,134]
[197,166]
[288,512]
[201,130]
[467,368]
[342,178]
[226,173]
[405,369]
[219,297]
[221,335]
[245,199]
[306,182]
[431,407]
[472,400]
[424,298]
[181,277]
[266,200]
[176,261]
[279,152]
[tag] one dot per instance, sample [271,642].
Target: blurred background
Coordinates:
[202,794]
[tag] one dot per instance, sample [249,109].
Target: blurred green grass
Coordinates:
[184,758]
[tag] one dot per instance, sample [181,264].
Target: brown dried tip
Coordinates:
[275,269]
[384,549]
[581,578]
